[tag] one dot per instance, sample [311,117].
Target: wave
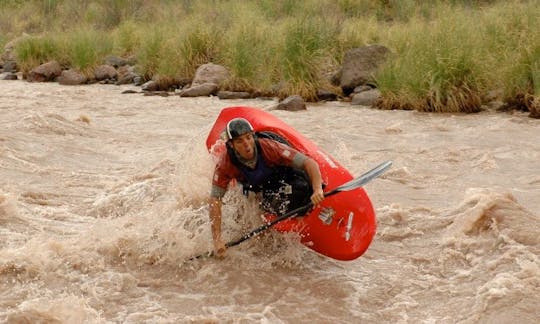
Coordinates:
[57,125]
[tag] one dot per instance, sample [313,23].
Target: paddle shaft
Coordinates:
[283,217]
[266,226]
[351,185]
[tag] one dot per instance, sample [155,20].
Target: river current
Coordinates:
[103,199]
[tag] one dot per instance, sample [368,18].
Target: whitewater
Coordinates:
[103,199]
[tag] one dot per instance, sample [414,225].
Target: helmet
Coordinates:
[237,127]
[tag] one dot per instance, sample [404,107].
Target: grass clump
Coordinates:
[33,51]
[85,49]
[446,54]
[518,43]
[435,68]
[301,57]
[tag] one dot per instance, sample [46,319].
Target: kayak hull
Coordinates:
[343,225]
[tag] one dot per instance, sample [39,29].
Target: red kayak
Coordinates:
[343,225]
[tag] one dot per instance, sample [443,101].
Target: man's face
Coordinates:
[244,145]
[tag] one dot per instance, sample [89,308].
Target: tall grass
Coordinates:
[518,40]
[33,51]
[448,63]
[250,57]
[150,52]
[302,54]
[446,54]
[85,49]
[127,38]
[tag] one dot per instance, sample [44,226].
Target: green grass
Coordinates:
[85,49]
[448,63]
[446,54]
[301,56]
[435,68]
[33,51]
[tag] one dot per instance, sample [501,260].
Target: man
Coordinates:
[262,165]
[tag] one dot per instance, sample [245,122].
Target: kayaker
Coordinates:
[284,178]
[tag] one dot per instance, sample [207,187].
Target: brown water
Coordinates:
[102,201]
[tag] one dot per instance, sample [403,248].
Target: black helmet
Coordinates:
[237,127]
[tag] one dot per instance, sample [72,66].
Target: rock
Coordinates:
[150,86]
[233,95]
[292,103]
[210,73]
[157,93]
[359,66]
[325,95]
[8,76]
[534,108]
[138,80]
[205,89]
[493,95]
[362,88]
[115,61]
[9,49]
[9,66]
[45,72]
[127,75]
[105,72]
[366,98]
[72,77]
[495,105]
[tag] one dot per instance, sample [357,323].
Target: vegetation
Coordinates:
[446,54]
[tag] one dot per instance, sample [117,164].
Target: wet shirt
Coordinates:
[273,153]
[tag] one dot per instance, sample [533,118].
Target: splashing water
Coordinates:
[103,198]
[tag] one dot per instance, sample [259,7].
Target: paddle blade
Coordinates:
[363,179]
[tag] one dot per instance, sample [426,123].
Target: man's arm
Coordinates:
[215,221]
[312,169]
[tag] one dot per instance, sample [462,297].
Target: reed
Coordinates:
[446,54]
[150,51]
[127,38]
[302,56]
[437,65]
[514,35]
[85,49]
[33,51]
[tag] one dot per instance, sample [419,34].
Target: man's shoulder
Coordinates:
[224,160]
[276,151]
[268,142]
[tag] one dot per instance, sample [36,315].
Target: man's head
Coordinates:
[241,137]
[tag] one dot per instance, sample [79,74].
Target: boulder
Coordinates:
[366,98]
[325,95]
[359,66]
[233,95]
[535,108]
[105,72]
[115,61]
[210,73]
[126,75]
[8,76]
[205,89]
[45,72]
[9,66]
[150,86]
[72,77]
[292,103]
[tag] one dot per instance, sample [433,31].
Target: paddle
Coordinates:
[348,186]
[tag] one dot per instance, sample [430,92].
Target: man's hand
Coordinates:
[219,249]
[215,220]
[314,173]
[317,196]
